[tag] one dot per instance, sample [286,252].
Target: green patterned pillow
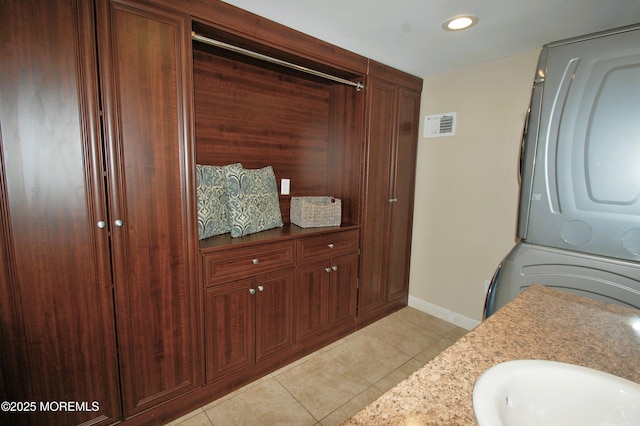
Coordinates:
[213,199]
[253,201]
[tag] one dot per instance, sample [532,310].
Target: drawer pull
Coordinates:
[252,290]
[256,261]
[331,245]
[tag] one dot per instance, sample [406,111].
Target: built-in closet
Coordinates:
[99,303]
[393,114]
[272,296]
[109,300]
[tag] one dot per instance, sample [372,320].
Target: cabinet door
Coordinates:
[274,313]
[403,184]
[342,289]
[312,281]
[381,136]
[56,315]
[144,55]
[229,328]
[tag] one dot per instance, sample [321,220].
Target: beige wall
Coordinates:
[467,185]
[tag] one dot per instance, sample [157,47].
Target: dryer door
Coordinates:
[586,184]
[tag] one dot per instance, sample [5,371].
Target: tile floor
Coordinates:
[332,384]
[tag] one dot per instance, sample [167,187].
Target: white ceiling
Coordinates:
[408,34]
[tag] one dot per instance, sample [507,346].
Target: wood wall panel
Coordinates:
[260,116]
[346,150]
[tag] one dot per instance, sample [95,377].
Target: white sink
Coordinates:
[533,392]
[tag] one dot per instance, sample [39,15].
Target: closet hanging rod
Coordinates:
[359,86]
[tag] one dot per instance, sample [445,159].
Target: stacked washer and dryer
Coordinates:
[579,213]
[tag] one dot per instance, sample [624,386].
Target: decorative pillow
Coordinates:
[253,201]
[213,199]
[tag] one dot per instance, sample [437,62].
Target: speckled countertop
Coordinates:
[541,323]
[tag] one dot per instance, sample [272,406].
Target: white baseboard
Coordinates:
[442,313]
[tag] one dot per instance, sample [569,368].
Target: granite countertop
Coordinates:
[541,323]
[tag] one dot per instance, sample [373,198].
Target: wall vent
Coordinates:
[440,125]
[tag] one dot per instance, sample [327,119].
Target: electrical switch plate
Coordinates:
[285,186]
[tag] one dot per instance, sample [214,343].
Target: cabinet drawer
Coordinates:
[245,262]
[327,246]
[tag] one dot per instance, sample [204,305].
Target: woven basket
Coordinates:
[313,212]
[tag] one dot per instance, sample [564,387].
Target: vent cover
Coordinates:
[440,125]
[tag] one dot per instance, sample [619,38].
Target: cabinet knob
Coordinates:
[327,269]
[252,290]
[256,261]
[331,245]
[118,223]
[261,288]
[393,200]
[335,268]
[101,224]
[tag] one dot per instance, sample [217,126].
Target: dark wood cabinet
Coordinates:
[97,208]
[274,313]
[312,281]
[326,283]
[229,328]
[393,107]
[403,184]
[57,319]
[106,294]
[272,297]
[251,318]
[343,287]
[144,54]
[326,296]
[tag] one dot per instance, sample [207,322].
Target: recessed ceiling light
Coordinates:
[460,22]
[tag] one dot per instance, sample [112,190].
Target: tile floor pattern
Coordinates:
[332,384]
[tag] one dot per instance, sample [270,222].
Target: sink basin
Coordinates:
[533,392]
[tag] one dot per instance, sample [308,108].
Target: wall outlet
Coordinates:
[285,186]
